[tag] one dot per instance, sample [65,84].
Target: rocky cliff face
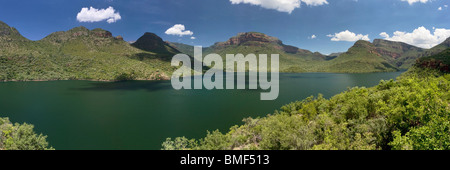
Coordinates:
[79,32]
[394,50]
[102,33]
[242,38]
[256,39]
[440,61]
[434,64]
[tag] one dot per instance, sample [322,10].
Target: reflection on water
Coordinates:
[141,114]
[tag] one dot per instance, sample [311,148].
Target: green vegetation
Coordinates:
[410,113]
[440,61]
[77,54]
[362,57]
[183,48]
[20,137]
[82,54]
[287,63]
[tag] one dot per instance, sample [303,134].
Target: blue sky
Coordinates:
[336,24]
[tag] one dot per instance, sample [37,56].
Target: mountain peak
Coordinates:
[242,38]
[101,33]
[151,42]
[150,36]
[79,28]
[362,43]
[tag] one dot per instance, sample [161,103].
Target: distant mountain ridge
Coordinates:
[77,54]
[364,56]
[292,59]
[83,54]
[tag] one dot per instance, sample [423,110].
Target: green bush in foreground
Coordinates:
[410,113]
[20,137]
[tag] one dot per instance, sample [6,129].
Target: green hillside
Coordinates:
[411,113]
[77,54]
[183,48]
[439,61]
[292,59]
[83,54]
[398,54]
[361,57]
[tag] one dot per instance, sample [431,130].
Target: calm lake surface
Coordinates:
[142,114]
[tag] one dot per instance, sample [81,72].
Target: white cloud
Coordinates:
[410,2]
[96,15]
[348,36]
[420,37]
[384,35]
[315,2]
[193,38]
[312,37]
[440,8]
[281,5]
[178,29]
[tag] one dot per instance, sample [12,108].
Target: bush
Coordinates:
[20,137]
[410,113]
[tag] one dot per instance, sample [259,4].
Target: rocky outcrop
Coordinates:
[392,55]
[102,33]
[290,49]
[392,49]
[434,64]
[257,39]
[242,38]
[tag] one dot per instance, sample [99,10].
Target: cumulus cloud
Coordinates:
[420,37]
[178,29]
[96,15]
[348,36]
[384,35]
[440,8]
[193,38]
[410,2]
[312,37]
[281,5]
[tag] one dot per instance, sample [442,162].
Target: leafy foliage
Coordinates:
[20,137]
[410,113]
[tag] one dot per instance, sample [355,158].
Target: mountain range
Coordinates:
[83,54]
[364,56]
[80,54]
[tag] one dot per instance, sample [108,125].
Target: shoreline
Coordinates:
[95,80]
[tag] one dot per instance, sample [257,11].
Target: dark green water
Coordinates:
[141,114]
